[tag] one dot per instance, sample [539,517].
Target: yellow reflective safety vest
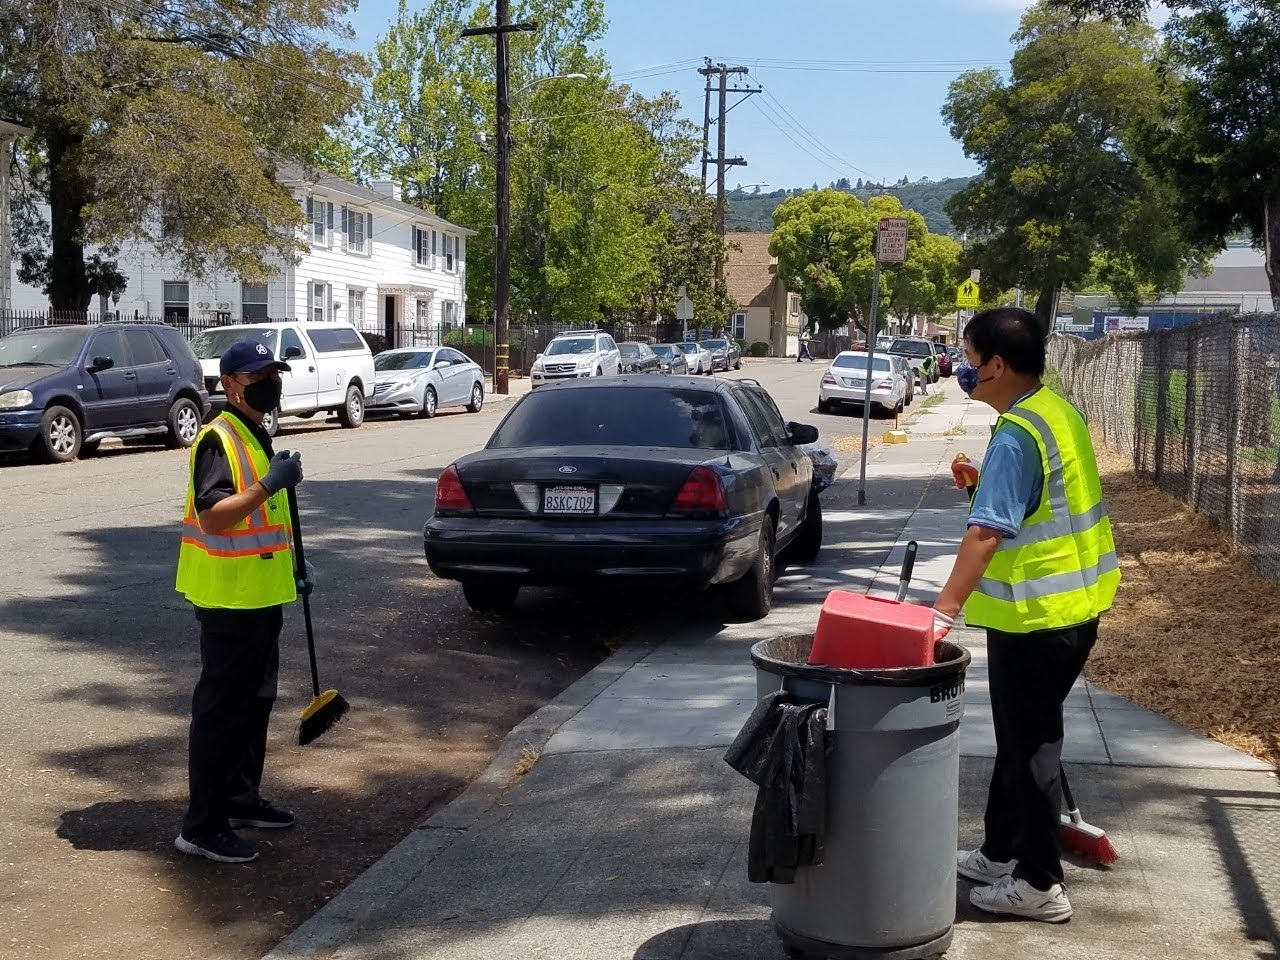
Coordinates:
[1061,569]
[250,565]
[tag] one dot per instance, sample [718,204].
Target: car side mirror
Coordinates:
[292,353]
[101,363]
[441,364]
[538,356]
[802,433]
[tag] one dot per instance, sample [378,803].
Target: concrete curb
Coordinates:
[376,889]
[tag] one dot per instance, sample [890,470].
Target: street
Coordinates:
[101,657]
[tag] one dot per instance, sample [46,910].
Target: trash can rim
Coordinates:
[884,677]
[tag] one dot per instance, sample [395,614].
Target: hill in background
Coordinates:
[754,211]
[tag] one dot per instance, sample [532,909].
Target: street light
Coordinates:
[560,76]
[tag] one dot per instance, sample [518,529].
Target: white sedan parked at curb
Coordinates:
[845,384]
[421,380]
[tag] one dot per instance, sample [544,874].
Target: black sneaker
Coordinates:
[263,815]
[224,847]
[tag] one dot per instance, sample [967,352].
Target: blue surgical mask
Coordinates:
[967,377]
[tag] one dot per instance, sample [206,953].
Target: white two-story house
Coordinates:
[370,259]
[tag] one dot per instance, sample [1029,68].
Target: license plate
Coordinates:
[569,500]
[850,382]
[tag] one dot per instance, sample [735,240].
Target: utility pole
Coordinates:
[502,228]
[706,125]
[722,162]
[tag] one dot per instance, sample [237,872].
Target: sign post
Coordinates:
[684,311]
[891,247]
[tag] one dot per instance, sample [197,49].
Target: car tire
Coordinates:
[184,424]
[60,435]
[750,597]
[484,596]
[599,371]
[824,406]
[271,422]
[429,404]
[738,365]
[808,542]
[477,399]
[351,413]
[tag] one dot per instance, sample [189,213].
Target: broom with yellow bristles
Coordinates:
[327,708]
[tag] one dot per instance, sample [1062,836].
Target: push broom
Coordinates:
[1078,837]
[327,708]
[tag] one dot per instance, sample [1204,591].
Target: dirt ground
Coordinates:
[111,885]
[1195,632]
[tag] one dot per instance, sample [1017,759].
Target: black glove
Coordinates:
[285,471]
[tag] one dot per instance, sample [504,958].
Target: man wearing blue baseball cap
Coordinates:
[236,567]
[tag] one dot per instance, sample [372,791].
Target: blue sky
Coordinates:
[839,113]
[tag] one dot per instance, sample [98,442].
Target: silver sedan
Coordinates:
[421,380]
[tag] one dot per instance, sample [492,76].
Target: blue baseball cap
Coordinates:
[249,356]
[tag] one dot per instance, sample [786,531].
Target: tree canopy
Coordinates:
[1063,192]
[165,123]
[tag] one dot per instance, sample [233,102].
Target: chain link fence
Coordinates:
[1198,407]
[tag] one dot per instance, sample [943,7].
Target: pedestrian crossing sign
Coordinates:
[967,295]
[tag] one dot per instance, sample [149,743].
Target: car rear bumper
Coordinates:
[856,395]
[20,429]
[537,553]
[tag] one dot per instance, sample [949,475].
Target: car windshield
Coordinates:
[50,347]
[574,346]
[911,348]
[664,350]
[616,417]
[629,349]
[687,347]
[858,361]
[715,344]
[211,344]
[407,360]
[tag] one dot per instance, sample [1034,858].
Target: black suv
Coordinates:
[65,389]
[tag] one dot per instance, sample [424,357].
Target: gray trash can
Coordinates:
[887,887]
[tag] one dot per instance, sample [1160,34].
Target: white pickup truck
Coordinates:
[331,367]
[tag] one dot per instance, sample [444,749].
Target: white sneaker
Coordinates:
[975,866]
[1010,896]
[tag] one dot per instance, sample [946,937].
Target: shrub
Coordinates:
[760,349]
[459,338]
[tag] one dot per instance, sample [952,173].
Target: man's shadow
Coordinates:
[142,825]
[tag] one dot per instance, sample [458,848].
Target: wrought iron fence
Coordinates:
[1198,407]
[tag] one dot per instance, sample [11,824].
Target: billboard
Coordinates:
[1116,324]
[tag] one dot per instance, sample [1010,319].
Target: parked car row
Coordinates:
[651,480]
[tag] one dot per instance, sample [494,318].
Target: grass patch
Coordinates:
[527,760]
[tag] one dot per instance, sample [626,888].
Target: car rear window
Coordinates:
[615,416]
[336,339]
[859,361]
[911,348]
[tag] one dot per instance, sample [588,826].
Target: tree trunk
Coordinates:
[68,196]
[1271,243]
[1045,303]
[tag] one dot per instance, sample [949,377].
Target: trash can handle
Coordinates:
[831,702]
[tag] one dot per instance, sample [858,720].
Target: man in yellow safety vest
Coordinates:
[1037,568]
[236,567]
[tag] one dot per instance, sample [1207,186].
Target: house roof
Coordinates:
[292,174]
[750,270]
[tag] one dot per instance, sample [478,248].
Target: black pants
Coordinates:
[230,711]
[1031,675]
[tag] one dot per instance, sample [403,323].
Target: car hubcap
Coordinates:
[187,424]
[354,407]
[431,402]
[62,436]
[476,397]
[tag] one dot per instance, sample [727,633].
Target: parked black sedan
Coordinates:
[725,354]
[653,479]
[638,358]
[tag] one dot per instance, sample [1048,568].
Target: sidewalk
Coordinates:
[628,838]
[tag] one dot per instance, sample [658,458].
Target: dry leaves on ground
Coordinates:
[1195,631]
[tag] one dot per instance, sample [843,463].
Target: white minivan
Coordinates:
[331,367]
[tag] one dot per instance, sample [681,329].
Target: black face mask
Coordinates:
[263,395]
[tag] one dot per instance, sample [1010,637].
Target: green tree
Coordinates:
[1062,189]
[165,123]
[926,283]
[1217,138]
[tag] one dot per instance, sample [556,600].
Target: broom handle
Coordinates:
[1066,793]
[300,573]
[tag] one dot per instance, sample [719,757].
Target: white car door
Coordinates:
[302,382]
[612,355]
[457,377]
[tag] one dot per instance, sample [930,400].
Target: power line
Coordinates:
[782,117]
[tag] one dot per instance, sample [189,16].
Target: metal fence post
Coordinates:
[1192,492]
[1232,519]
[1162,403]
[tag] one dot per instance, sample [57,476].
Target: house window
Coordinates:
[320,302]
[355,306]
[449,263]
[253,301]
[357,227]
[449,314]
[422,247]
[177,300]
[739,326]
[321,215]
[793,304]
[424,314]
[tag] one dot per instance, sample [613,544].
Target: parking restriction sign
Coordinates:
[891,240]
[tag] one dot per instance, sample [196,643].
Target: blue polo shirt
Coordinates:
[1011,481]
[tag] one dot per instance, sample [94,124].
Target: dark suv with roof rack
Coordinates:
[66,388]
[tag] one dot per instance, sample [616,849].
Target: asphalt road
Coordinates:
[99,656]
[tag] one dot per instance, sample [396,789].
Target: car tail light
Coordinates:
[703,492]
[884,385]
[828,377]
[451,495]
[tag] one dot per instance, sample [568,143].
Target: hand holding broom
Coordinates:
[327,708]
